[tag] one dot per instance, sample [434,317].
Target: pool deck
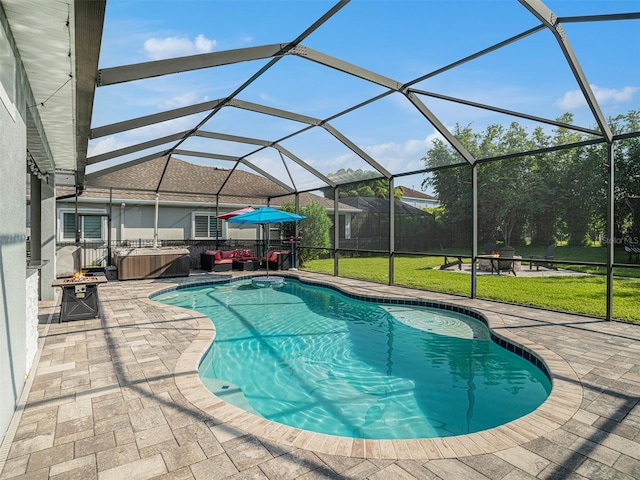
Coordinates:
[119,398]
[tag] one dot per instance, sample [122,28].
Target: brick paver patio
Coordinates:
[118,398]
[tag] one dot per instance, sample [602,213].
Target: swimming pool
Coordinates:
[312,358]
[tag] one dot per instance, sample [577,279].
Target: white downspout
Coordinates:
[122,207]
[155,224]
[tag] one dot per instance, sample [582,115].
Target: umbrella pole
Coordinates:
[266,234]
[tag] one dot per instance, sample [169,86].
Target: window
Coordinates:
[206,225]
[92,226]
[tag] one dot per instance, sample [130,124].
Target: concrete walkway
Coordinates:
[118,398]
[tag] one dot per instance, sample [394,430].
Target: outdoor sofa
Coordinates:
[225,260]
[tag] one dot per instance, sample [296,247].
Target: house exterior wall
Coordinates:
[133,221]
[420,202]
[13,251]
[138,223]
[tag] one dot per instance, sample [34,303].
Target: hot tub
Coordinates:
[137,263]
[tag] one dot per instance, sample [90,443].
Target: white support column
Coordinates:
[48,237]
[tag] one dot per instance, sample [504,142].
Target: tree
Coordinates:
[627,166]
[501,205]
[367,184]
[452,187]
[584,192]
[314,230]
[547,191]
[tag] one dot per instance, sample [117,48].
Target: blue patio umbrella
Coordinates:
[265,216]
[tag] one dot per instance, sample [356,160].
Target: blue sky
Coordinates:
[399,39]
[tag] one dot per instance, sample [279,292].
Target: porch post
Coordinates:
[392,229]
[611,241]
[35,235]
[48,237]
[336,230]
[474,229]
[110,215]
[218,220]
[296,234]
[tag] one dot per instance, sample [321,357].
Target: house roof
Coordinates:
[174,176]
[381,205]
[411,193]
[183,182]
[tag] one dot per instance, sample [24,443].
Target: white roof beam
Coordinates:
[139,71]
[228,158]
[274,112]
[246,162]
[115,168]
[135,148]
[355,149]
[345,67]
[231,138]
[476,55]
[304,164]
[310,121]
[439,126]
[265,144]
[507,112]
[153,118]
[212,156]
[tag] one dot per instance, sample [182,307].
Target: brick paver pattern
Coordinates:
[108,399]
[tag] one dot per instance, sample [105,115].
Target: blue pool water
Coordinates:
[312,358]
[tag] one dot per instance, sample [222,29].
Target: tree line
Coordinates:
[543,197]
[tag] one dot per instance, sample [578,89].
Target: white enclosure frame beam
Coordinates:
[550,20]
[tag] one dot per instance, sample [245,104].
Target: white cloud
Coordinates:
[267,98]
[182,100]
[605,96]
[104,145]
[170,47]
[403,156]
[394,156]
[168,127]
[143,134]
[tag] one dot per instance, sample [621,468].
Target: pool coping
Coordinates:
[561,405]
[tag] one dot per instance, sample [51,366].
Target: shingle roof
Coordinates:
[177,176]
[411,193]
[381,205]
[189,183]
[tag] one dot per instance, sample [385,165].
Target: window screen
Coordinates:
[207,226]
[92,227]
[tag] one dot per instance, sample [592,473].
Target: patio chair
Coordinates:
[489,248]
[277,260]
[506,262]
[633,249]
[546,261]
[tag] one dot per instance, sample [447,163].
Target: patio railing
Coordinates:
[97,255]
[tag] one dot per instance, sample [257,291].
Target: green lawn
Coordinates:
[579,294]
